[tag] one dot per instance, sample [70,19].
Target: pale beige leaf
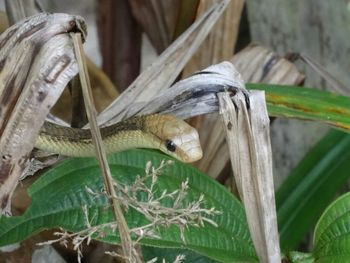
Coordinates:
[37,63]
[248,138]
[256,64]
[220,43]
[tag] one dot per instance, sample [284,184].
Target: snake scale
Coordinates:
[163,132]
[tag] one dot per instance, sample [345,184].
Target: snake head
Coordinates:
[175,137]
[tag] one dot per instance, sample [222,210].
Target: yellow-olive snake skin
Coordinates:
[164,132]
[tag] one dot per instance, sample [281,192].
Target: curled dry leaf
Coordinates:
[256,64]
[37,62]
[248,140]
[104,92]
[165,69]
[195,95]
[259,64]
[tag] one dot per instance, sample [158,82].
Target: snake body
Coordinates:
[166,133]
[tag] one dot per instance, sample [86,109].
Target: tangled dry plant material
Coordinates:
[152,207]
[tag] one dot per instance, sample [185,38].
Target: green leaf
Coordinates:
[299,257]
[169,255]
[311,186]
[58,197]
[332,233]
[306,103]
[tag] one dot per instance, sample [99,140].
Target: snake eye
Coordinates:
[170,145]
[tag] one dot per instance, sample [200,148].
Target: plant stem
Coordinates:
[126,242]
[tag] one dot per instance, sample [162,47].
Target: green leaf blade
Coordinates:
[169,255]
[311,187]
[58,197]
[332,233]
[306,103]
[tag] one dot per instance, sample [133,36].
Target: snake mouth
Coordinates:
[193,154]
[188,155]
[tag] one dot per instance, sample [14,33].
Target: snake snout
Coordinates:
[189,148]
[193,154]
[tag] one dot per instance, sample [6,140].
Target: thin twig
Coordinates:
[321,70]
[126,242]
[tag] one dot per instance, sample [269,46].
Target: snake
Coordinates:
[166,133]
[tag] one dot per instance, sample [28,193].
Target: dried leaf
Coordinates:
[256,64]
[170,63]
[37,63]
[218,46]
[104,93]
[152,17]
[120,42]
[220,43]
[186,16]
[248,138]
[335,84]
[20,9]
[193,96]
[259,64]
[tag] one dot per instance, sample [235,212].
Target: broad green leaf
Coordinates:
[169,255]
[58,197]
[306,103]
[332,233]
[311,186]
